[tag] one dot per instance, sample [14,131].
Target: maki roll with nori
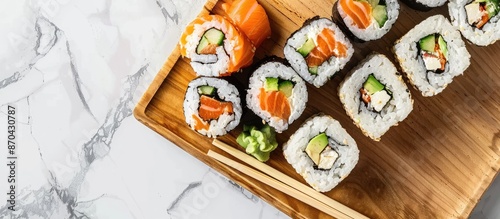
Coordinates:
[432,54]
[215,46]
[276,94]
[212,106]
[318,50]
[478,20]
[366,20]
[375,96]
[322,152]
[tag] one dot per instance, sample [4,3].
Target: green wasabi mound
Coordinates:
[258,142]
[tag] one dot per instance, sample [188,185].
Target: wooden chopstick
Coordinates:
[346,211]
[277,185]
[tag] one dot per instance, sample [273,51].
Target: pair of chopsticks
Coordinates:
[282,182]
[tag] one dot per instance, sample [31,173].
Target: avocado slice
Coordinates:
[286,87]
[372,85]
[380,14]
[313,70]
[316,146]
[206,90]
[214,36]
[271,84]
[202,44]
[443,46]
[307,47]
[428,43]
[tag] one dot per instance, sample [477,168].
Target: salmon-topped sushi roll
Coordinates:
[365,20]
[215,46]
[212,106]
[276,94]
[318,50]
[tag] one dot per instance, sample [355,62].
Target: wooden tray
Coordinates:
[435,164]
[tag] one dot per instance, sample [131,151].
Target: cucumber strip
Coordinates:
[380,14]
[206,90]
[214,36]
[202,44]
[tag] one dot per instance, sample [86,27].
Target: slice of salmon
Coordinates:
[276,103]
[211,108]
[326,47]
[200,124]
[251,18]
[243,50]
[209,49]
[359,11]
[271,100]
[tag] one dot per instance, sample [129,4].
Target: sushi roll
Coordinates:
[276,94]
[318,50]
[366,20]
[476,19]
[375,96]
[432,54]
[322,152]
[251,18]
[215,46]
[424,5]
[212,106]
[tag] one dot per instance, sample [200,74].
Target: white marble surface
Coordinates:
[74,70]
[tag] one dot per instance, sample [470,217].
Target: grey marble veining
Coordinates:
[74,70]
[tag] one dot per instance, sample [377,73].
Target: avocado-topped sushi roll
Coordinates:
[476,19]
[375,96]
[432,54]
[215,46]
[322,152]
[424,5]
[366,20]
[276,94]
[318,50]
[212,106]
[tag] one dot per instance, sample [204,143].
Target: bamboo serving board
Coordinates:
[436,164]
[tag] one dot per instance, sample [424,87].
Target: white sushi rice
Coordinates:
[374,31]
[412,64]
[328,68]
[322,180]
[431,3]
[297,100]
[373,124]
[489,33]
[209,65]
[226,92]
